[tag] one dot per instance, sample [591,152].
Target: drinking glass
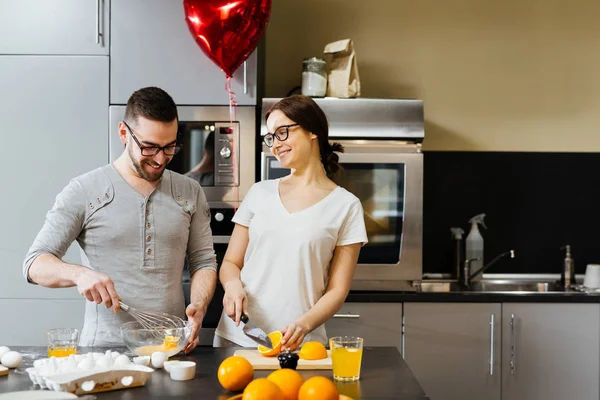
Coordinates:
[62,342]
[346,357]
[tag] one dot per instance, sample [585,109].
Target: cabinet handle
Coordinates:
[98,34]
[346,315]
[245,79]
[512,344]
[492,344]
[403,330]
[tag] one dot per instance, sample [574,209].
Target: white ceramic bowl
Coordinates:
[167,365]
[183,370]
[592,276]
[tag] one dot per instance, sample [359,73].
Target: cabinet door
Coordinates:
[454,349]
[58,27]
[379,324]
[27,320]
[152,46]
[53,127]
[550,351]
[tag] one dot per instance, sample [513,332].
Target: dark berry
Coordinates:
[288,360]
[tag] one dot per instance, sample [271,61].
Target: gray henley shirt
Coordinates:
[139,242]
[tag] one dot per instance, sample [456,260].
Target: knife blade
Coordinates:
[255,333]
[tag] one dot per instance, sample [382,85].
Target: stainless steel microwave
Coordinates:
[383,166]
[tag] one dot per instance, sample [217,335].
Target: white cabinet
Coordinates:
[59,27]
[53,127]
[550,351]
[454,349]
[151,46]
[379,324]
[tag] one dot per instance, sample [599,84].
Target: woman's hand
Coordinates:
[293,336]
[234,300]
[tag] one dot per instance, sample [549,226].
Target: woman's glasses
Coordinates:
[281,134]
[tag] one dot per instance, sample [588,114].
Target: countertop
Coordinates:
[384,375]
[471,297]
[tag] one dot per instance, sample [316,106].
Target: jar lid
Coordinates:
[314,60]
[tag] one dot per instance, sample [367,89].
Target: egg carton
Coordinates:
[85,374]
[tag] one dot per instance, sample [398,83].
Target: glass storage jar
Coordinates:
[314,77]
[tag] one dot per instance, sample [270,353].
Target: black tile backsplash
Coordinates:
[534,203]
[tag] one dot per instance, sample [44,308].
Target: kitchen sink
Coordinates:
[489,286]
[514,286]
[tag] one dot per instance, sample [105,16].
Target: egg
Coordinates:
[3,350]
[121,361]
[158,359]
[12,359]
[142,360]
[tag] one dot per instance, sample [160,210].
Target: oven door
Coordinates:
[387,177]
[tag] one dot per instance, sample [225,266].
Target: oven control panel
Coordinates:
[227,156]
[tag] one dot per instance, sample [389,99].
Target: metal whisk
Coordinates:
[155,322]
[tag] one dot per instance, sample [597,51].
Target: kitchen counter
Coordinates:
[472,297]
[384,375]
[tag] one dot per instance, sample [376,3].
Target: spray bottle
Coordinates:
[474,243]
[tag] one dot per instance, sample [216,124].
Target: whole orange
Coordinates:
[262,389]
[289,381]
[235,373]
[318,388]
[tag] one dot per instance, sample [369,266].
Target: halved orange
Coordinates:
[313,351]
[275,341]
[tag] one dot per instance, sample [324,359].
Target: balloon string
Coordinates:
[232,101]
[232,118]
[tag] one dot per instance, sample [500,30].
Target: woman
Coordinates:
[295,245]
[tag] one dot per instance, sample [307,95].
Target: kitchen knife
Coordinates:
[255,333]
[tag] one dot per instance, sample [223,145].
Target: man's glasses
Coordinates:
[151,151]
[281,134]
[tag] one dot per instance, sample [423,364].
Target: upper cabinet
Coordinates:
[152,46]
[54,27]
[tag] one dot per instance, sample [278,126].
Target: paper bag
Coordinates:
[342,69]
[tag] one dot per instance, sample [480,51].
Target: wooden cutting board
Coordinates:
[259,362]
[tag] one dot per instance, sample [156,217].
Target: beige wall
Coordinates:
[508,75]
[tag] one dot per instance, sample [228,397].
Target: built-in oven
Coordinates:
[221,156]
[383,166]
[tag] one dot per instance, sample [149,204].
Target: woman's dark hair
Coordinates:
[304,111]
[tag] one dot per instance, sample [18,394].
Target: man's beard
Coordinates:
[145,171]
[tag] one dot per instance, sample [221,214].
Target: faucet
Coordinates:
[467,276]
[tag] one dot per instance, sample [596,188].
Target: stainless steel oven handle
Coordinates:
[348,315]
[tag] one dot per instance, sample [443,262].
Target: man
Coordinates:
[135,224]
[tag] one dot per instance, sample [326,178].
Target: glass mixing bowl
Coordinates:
[144,342]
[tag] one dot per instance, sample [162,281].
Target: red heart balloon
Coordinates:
[227,31]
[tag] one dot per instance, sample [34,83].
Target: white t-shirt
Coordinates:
[286,265]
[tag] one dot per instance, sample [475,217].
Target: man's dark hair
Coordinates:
[151,103]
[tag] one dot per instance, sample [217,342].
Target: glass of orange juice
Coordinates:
[346,357]
[62,342]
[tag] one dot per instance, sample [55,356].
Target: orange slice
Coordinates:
[275,341]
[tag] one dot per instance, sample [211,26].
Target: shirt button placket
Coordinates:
[149,236]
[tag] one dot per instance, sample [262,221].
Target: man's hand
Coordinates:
[195,315]
[97,288]
[234,300]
